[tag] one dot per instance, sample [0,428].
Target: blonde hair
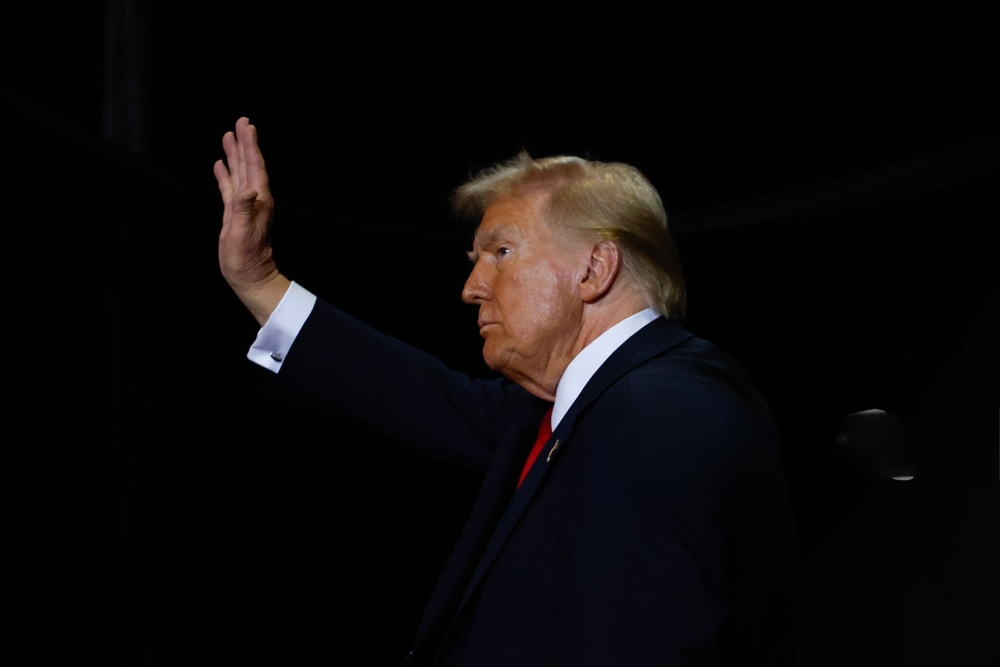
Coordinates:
[610,199]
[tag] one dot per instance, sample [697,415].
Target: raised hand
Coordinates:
[245,255]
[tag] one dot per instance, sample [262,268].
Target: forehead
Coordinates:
[521,214]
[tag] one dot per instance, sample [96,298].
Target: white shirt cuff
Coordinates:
[275,338]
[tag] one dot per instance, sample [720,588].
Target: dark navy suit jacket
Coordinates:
[654,529]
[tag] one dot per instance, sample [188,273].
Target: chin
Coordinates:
[493,366]
[492,359]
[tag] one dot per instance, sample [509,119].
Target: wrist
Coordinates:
[263,296]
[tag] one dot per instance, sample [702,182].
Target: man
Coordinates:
[651,524]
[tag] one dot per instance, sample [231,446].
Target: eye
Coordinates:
[502,251]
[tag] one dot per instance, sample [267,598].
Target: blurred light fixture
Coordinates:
[874,445]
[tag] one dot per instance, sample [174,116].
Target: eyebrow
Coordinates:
[484,239]
[472,253]
[487,238]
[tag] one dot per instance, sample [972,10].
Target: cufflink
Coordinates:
[277,356]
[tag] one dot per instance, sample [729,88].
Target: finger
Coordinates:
[256,172]
[242,138]
[224,180]
[232,158]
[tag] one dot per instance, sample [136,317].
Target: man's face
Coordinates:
[525,280]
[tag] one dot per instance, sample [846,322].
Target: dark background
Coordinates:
[834,190]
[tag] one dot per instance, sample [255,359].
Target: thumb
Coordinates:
[243,203]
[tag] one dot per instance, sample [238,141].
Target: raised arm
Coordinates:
[245,256]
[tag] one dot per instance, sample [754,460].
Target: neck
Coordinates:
[596,318]
[605,313]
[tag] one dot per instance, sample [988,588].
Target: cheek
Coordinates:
[541,302]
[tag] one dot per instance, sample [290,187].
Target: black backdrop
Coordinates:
[163,504]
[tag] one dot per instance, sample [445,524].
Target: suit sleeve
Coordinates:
[351,368]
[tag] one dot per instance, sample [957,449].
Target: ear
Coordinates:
[602,270]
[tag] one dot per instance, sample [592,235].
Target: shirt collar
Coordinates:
[584,365]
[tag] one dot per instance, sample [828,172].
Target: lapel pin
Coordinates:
[552,451]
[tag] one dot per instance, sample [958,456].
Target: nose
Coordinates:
[477,286]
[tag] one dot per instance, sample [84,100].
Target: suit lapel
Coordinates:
[654,339]
[490,507]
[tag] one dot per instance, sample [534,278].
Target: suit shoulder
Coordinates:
[693,376]
[693,406]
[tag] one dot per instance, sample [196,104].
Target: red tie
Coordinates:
[544,433]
